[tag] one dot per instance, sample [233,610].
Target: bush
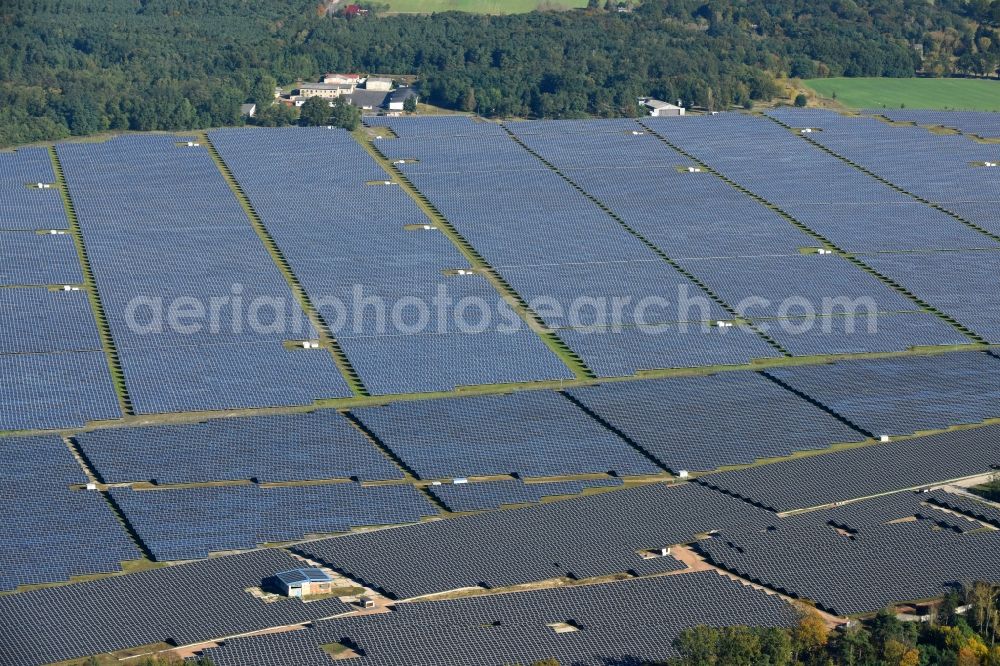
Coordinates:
[801,100]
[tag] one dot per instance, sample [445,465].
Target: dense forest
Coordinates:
[76,67]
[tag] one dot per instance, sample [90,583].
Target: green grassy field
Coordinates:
[875,93]
[480,6]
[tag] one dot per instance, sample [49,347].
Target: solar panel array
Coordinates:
[507,629]
[645,182]
[821,191]
[40,320]
[897,396]
[363,250]
[533,433]
[864,472]
[427,363]
[288,447]
[987,512]
[221,377]
[164,234]
[861,333]
[55,390]
[492,190]
[428,126]
[702,423]
[746,253]
[856,518]
[980,123]
[619,352]
[582,295]
[858,563]
[51,532]
[957,283]
[596,535]
[43,385]
[181,605]
[23,205]
[494,494]
[29,258]
[160,224]
[795,284]
[937,167]
[190,523]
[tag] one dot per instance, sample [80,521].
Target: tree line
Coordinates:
[77,67]
[964,631]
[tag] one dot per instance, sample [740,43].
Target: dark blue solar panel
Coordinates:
[985,124]
[191,523]
[904,395]
[583,295]
[494,494]
[50,532]
[885,332]
[770,161]
[430,126]
[881,227]
[944,169]
[441,362]
[888,560]
[530,433]
[39,320]
[960,284]
[165,235]
[29,258]
[289,447]
[866,471]
[55,390]
[23,205]
[795,285]
[45,459]
[518,628]
[366,272]
[644,181]
[183,605]
[224,376]
[701,423]
[623,352]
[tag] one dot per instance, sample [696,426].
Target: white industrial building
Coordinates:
[660,108]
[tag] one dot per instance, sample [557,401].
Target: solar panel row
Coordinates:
[180,604]
[980,123]
[534,433]
[509,629]
[24,205]
[197,308]
[50,532]
[190,523]
[864,472]
[597,535]
[494,494]
[289,447]
[886,557]
[373,269]
[701,423]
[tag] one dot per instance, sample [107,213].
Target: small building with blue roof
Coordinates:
[304,582]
